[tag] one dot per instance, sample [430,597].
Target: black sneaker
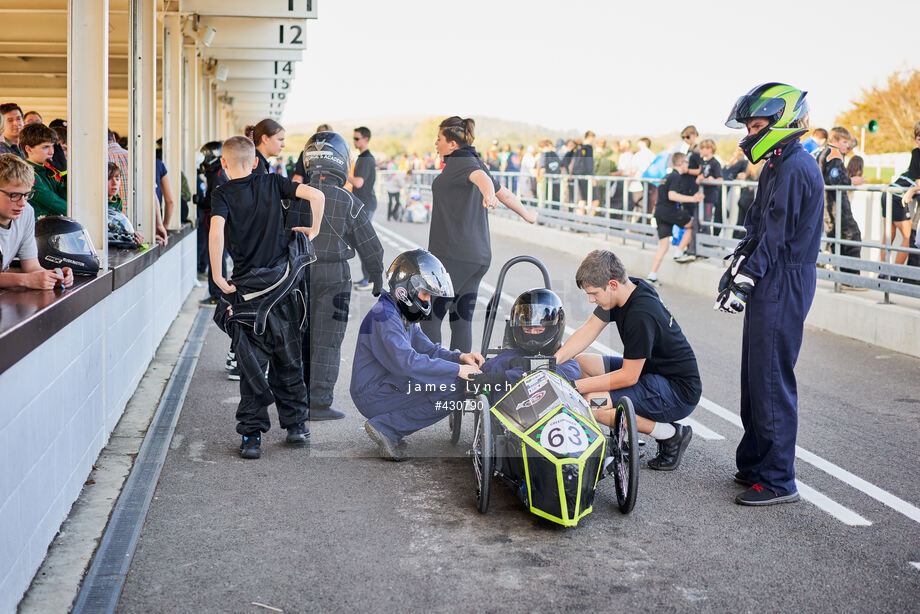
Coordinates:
[297,435]
[671,450]
[739,478]
[251,446]
[389,449]
[208,301]
[234,374]
[324,413]
[231,361]
[759,495]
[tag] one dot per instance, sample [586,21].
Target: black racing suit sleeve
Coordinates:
[361,235]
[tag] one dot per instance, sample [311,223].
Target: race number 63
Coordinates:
[563,435]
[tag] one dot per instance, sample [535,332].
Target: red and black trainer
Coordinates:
[758,494]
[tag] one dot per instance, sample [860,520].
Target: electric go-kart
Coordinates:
[541,438]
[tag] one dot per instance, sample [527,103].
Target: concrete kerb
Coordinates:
[57,582]
[857,316]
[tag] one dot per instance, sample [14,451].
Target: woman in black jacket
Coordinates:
[459,234]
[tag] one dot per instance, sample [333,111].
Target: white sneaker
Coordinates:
[653,279]
[678,255]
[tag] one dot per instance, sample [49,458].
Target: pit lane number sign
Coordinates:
[563,435]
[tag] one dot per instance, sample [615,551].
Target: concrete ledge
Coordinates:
[859,316]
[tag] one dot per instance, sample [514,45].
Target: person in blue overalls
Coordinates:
[772,280]
[401,381]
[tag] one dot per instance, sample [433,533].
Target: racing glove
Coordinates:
[378,285]
[731,271]
[734,298]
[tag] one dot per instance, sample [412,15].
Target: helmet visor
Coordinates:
[120,221]
[534,314]
[748,107]
[435,280]
[76,242]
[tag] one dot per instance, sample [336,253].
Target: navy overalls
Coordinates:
[393,364]
[786,222]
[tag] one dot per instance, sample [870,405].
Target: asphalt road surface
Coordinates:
[334,528]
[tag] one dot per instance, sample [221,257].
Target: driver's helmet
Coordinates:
[785,108]
[120,230]
[412,272]
[327,155]
[63,242]
[532,309]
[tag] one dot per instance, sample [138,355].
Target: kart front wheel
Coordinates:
[625,454]
[483,463]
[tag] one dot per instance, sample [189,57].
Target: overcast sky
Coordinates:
[611,66]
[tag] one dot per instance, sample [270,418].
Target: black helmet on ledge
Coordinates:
[537,309]
[62,241]
[120,231]
[413,272]
[327,154]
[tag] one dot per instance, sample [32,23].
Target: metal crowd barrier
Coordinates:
[628,203]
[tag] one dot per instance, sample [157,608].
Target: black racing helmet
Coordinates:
[327,153]
[62,241]
[537,307]
[412,272]
[211,150]
[120,231]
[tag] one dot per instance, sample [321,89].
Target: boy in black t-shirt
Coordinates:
[712,194]
[694,160]
[658,370]
[549,167]
[263,309]
[676,203]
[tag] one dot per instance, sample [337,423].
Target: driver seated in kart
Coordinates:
[535,329]
[401,381]
[658,370]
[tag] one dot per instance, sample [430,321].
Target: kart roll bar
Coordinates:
[492,305]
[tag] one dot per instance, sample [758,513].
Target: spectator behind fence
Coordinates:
[604,166]
[901,218]
[396,183]
[114,201]
[637,165]
[12,127]
[694,160]
[748,193]
[59,160]
[711,170]
[676,206]
[619,199]
[816,141]
[830,161]
[549,166]
[50,188]
[583,164]
[17,231]
[528,172]
[118,155]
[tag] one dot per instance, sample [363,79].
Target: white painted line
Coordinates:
[915,565]
[821,501]
[880,495]
[701,430]
[828,467]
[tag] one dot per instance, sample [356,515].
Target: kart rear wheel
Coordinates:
[455,422]
[483,463]
[625,454]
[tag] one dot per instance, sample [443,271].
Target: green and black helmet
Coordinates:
[785,108]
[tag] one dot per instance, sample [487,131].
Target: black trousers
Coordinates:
[279,349]
[849,230]
[330,298]
[465,277]
[393,205]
